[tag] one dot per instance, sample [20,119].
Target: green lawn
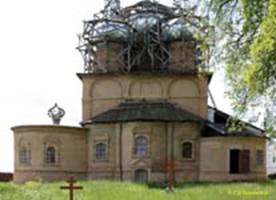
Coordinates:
[104,190]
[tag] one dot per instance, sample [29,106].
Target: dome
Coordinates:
[112,30]
[144,21]
[177,29]
[148,7]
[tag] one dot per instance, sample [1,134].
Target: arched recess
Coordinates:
[104,89]
[183,88]
[51,150]
[146,89]
[24,153]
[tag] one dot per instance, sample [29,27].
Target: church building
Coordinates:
[145,115]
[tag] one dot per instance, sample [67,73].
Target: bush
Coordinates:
[272,176]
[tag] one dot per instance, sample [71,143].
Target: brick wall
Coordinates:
[5,177]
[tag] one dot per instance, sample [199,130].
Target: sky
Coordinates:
[39,62]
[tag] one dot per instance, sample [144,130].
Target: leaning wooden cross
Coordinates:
[71,187]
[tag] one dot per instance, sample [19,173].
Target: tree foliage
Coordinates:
[246,40]
[241,36]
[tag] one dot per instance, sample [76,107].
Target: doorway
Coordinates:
[239,161]
[234,161]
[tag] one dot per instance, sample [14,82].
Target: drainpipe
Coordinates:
[120,152]
[172,151]
[170,163]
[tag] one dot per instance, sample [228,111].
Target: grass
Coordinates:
[107,190]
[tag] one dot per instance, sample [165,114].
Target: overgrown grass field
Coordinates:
[106,190]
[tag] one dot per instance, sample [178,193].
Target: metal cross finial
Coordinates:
[71,187]
[56,113]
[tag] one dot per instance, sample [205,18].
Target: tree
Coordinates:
[246,32]
[241,35]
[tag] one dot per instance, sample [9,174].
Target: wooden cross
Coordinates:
[171,173]
[71,187]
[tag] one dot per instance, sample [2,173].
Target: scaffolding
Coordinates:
[136,38]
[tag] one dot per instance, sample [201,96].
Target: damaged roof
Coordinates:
[164,111]
[219,125]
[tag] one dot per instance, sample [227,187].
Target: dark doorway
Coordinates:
[234,161]
[239,161]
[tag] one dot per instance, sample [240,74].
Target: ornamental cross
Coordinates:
[171,174]
[56,113]
[71,187]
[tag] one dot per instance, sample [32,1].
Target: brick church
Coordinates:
[144,105]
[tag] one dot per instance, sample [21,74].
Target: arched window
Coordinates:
[101,151]
[141,146]
[187,150]
[23,155]
[51,155]
[141,175]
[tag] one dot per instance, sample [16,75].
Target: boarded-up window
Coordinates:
[260,157]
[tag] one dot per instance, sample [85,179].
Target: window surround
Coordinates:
[56,144]
[23,145]
[97,142]
[135,137]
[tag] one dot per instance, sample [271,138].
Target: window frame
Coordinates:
[192,150]
[260,160]
[106,151]
[26,151]
[57,148]
[51,156]
[27,146]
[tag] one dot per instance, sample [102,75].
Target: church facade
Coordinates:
[145,112]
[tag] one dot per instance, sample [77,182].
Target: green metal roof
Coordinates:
[145,110]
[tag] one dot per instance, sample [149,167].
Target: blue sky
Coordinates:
[39,62]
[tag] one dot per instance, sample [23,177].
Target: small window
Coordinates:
[101,151]
[273,159]
[51,155]
[141,146]
[23,155]
[187,150]
[260,157]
